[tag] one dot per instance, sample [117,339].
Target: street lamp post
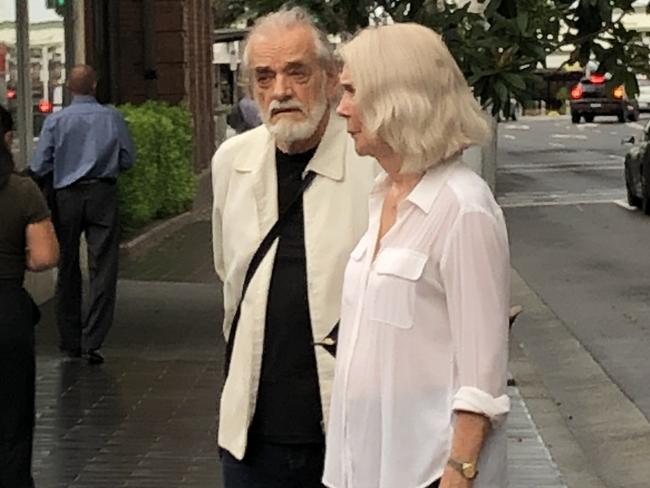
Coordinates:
[24,85]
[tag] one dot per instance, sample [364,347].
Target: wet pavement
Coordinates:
[147,417]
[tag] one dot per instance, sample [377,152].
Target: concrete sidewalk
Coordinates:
[147,417]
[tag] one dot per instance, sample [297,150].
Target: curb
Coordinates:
[154,235]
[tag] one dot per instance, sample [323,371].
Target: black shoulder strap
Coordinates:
[257,258]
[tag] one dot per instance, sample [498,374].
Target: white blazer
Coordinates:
[245,207]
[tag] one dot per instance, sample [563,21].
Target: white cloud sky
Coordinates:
[37,11]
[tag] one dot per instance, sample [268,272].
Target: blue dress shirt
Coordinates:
[84,140]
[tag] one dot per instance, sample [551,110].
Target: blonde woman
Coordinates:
[419,391]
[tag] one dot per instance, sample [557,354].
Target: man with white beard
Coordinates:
[275,400]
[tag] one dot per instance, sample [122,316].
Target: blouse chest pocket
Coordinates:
[354,273]
[397,272]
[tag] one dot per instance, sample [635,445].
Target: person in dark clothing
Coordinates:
[85,147]
[27,241]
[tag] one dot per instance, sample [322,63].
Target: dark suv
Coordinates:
[595,96]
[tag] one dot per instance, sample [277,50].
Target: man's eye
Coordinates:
[263,78]
[299,74]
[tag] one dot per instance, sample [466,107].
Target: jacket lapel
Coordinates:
[329,159]
[257,167]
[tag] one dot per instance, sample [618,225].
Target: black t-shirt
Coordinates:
[21,204]
[288,403]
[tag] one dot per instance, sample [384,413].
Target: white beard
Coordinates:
[286,132]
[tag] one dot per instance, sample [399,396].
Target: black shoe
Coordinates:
[94,357]
[70,354]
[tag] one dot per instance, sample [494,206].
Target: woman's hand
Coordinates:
[453,479]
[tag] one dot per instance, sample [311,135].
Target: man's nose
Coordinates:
[283,88]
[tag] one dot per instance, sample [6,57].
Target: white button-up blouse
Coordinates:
[424,332]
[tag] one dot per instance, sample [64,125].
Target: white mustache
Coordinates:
[276,105]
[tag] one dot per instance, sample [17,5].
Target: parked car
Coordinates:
[644,94]
[637,173]
[595,96]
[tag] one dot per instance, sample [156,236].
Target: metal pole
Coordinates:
[25,102]
[68,44]
[149,36]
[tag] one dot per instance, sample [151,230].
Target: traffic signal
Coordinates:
[54,3]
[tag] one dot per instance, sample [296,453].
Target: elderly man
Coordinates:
[276,394]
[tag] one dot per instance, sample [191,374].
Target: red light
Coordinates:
[11,94]
[576,92]
[45,107]
[597,79]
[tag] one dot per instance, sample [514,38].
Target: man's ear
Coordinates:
[9,137]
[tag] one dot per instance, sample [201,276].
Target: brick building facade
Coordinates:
[156,49]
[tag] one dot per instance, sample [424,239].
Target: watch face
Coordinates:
[469,470]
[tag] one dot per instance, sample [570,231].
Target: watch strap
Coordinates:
[462,467]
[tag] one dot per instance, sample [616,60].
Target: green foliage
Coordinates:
[500,48]
[162,182]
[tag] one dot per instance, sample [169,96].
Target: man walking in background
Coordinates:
[85,146]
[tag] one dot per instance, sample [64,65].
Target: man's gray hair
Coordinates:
[284,19]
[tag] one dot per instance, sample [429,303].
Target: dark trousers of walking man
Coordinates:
[88,206]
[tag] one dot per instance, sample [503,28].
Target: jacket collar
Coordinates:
[328,161]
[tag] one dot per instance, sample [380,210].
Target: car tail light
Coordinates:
[11,94]
[597,79]
[576,92]
[45,107]
[619,92]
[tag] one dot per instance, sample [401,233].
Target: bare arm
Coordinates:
[42,246]
[470,431]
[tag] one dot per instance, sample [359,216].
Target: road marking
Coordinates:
[556,144]
[508,136]
[517,127]
[597,165]
[545,199]
[625,205]
[573,169]
[635,125]
[582,137]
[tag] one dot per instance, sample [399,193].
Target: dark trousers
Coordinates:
[92,208]
[17,374]
[275,466]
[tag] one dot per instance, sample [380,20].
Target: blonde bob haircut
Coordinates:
[410,93]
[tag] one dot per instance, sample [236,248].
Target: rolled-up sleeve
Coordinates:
[475,269]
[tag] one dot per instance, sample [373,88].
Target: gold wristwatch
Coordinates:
[468,470]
